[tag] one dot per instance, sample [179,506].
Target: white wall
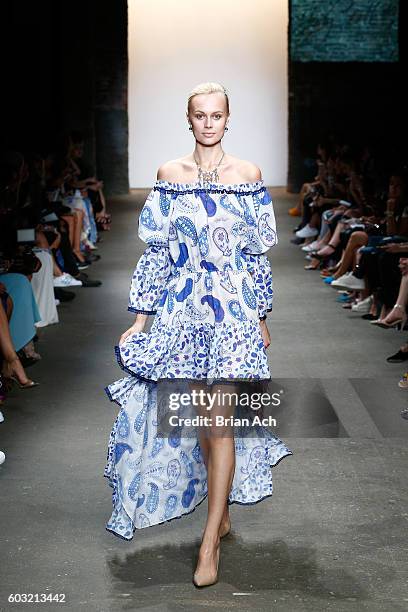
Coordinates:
[176,44]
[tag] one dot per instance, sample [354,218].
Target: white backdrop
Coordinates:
[176,44]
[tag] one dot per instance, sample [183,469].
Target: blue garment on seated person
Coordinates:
[25,309]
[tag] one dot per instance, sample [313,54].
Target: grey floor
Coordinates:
[333,535]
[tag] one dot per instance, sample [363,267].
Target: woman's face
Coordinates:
[208,116]
[395,187]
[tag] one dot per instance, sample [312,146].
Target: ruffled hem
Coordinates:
[197,351]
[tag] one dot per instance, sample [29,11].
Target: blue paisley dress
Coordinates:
[205,275]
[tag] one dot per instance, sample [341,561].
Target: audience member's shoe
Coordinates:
[329,280]
[13,372]
[294,212]
[404,413]
[297,241]
[91,257]
[25,360]
[87,258]
[87,282]
[90,245]
[344,299]
[29,350]
[82,265]
[312,246]
[2,457]
[369,317]
[349,281]
[64,296]
[57,302]
[82,276]
[398,357]
[1,417]
[66,280]
[307,232]
[91,283]
[403,382]
[327,250]
[363,306]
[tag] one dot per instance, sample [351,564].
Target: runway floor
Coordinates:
[332,536]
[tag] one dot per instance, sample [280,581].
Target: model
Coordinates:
[208,222]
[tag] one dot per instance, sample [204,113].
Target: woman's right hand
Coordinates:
[137,326]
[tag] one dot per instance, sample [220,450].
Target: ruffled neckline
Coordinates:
[230,187]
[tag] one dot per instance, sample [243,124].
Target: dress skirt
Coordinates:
[158,478]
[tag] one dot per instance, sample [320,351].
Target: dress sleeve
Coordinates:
[260,236]
[260,269]
[155,266]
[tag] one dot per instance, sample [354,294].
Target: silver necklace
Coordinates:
[205,177]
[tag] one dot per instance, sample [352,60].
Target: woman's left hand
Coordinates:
[265,333]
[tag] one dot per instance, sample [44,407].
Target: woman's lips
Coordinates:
[207,134]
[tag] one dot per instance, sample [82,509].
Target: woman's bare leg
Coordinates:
[204,446]
[356,240]
[395,313]
[79,217]
[70,220]
[220,474]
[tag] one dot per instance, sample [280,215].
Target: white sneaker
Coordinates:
[363,306]
[311,247]
[350,282]
[1,417]
[339,281]
[57,302]
[2,457]
[307,232]
[66,280]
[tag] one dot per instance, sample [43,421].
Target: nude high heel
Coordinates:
[204,580]
[8,377]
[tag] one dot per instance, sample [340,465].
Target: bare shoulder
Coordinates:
[248,171]
[170,170]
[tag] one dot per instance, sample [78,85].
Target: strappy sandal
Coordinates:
[314,266]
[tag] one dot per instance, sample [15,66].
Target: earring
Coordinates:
[226,128]
[191,127]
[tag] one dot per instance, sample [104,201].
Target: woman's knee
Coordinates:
[359,238]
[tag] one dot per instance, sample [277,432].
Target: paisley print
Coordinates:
[203,241]
[205,275]
[221,240]
[123,424]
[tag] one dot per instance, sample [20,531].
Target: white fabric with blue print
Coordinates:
[206,277]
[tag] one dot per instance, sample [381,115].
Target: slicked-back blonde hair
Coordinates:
[207,88]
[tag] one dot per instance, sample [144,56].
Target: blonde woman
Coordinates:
[208,222]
